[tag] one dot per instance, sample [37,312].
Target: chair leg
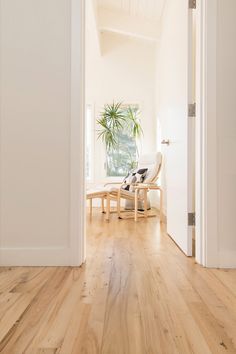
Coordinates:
[91,207]
[136,205]
[145,203]
[108,208]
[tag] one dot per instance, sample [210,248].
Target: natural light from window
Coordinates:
[122,159]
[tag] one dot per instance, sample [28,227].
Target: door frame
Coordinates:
[77,135]
[206,164]
[206,137]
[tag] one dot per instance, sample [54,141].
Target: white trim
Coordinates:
[206,143]
[35,257]
[190,132]
[199,134]
[77,181]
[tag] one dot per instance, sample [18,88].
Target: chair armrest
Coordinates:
[147,186]
[130,184]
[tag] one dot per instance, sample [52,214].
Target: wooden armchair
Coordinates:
[138,196]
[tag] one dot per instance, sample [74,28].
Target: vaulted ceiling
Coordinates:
[149,9]
[140,19]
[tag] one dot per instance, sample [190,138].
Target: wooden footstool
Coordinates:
[98,194]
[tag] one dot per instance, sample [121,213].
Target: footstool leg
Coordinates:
[108,208]
[103,206]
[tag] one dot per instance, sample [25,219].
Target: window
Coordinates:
[122,159]
[89,142]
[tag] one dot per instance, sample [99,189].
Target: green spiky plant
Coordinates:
[111,122]
[115,119]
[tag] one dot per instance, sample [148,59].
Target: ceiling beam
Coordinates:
[128,34]
[127,25]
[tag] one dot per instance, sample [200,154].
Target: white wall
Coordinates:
[219,132]
[35,91]
[123,71]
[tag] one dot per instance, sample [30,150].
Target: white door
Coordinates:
[175,94]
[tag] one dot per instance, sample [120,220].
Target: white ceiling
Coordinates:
[149,9]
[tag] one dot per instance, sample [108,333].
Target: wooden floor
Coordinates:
[136,294]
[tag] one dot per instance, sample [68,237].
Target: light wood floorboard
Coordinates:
[136,294]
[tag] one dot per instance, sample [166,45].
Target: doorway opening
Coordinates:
[140,60]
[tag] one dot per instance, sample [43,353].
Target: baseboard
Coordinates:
[35,257]
[227,259]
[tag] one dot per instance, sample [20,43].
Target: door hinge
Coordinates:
[192,4]
[191,219]
[192,110]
